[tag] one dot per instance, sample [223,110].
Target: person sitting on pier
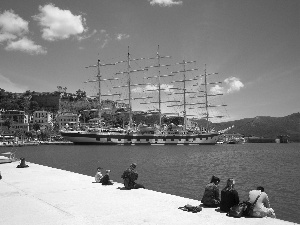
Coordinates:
[22,163]
[211,194]
[98,176]
[105,179]
[262,206]
[229,196]
[130,176]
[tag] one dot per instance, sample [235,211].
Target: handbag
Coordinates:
[236,210]
[248,209]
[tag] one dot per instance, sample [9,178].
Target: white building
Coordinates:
[42,117]
[68,118]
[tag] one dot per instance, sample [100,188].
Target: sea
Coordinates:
[185,170]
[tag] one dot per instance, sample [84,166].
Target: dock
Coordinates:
[43,195]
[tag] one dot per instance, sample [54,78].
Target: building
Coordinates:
[67,120]
[18,121]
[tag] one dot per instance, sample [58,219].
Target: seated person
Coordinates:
[130,176]
[211,194]
[22,163]
[98,176]
[105,179]
[229,196]
[262,206]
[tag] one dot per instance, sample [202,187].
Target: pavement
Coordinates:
[42,195]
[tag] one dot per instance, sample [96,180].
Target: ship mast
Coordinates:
[129,84]
[99,80]
[206,95]
[184,89]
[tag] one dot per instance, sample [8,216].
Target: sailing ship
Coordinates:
[158,134]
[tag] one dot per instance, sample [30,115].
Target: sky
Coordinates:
[253,45]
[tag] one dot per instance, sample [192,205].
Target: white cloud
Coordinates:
[25,45]
[103,38]
[165,2]
[217,89]
[58,24]
[152,87]
[234,84]
[86,36]
[9,86]
[13,30]
[122,36]
[12,26]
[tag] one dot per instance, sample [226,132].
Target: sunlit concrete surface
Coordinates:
[44,195]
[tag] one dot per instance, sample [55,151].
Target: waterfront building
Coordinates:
[18,121]
[67,119]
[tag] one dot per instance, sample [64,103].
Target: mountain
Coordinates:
[265,126]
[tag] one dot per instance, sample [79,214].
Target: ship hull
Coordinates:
[140,139]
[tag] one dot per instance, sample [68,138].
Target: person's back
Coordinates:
[211,193]
[262,206]
[229,196]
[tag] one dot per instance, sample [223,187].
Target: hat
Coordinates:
[99,168]
[133,165]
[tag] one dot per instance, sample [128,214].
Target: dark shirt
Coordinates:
[129,177]
[228,199]
[106,181]
[211,195]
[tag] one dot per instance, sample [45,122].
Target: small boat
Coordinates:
[11,158]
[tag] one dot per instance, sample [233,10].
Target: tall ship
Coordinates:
[145,133]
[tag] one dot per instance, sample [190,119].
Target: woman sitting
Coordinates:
[229,196]
[211,194]
[262,206]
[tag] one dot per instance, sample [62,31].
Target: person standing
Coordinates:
[262,207]
[229,196]
[211,193]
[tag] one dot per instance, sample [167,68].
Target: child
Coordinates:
[98,176]
[106,180]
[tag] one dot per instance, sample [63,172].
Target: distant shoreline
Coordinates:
[35,143]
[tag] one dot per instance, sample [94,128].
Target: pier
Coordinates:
[44,195]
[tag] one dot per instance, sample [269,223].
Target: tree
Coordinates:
[7,123]
[36,126]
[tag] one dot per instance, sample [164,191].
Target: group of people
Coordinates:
[99,178]
[129,177]
[230,197]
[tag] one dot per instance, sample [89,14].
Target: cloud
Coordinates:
[58,24]
[217,89]
[152,87]
[122,36]
[25,45]
[13,30]
[104,38]
[234,84]
[9,86]
[165,2]
[86,36]
[12,26]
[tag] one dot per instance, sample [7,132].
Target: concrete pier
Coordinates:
[43,195]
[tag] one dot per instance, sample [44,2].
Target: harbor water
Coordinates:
[185,170]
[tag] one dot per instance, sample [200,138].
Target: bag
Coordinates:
[248,210]
[190,208]
[236,210]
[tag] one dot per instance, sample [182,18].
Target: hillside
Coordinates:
[265,126]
